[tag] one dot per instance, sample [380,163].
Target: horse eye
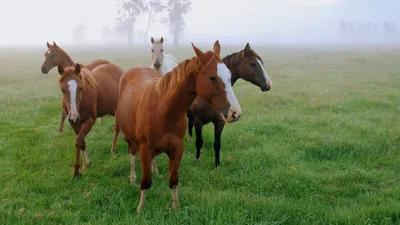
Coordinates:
[253,64]
[152,50]
[162,50]
[62,90]
[212,78]
[52,55]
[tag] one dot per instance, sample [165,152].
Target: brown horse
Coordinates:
[86,96]
[56,56]
[152,110]
[245,64]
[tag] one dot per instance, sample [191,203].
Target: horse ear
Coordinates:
[247,46]
[60,70]
[217,48]
[199,54]
[54,44]
[152,40]
[48,45]
[77,68]
[162,40]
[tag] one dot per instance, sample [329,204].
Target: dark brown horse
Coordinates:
[56,56]
[86,96]
[245,64]
[152,110]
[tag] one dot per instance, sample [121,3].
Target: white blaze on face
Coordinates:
[73,86]
[224,73]
[267,78]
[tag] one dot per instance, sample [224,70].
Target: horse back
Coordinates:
[132,86]
[107,77]
[96,63]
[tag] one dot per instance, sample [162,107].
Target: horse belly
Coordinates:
[168,143]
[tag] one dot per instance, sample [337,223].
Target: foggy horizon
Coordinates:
[287,22]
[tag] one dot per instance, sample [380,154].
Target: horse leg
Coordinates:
[116,132]
[218,127]
[145,184]
[173,165]
[132,148]
[198,126]
[190,126]
[154,168]
[80,145]
[63,116]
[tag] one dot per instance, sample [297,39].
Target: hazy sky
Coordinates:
[38,21]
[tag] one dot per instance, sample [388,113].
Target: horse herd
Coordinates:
[151,105]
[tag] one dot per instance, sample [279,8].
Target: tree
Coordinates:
[128,12]
[80,32]
[176,22]
[153,7]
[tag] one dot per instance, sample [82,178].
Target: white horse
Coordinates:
[163,63]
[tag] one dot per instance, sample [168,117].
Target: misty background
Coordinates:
[124,22]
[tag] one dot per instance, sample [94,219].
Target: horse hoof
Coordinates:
[77,175]
[175,205]
[198,160]
[139,210]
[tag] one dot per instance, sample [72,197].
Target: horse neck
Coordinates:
[231,62]
[179,96]
[66,60]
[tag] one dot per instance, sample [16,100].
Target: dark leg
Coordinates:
[145,184]
[218,127]
[198,126]
[63,116]
[190,125]
[173,165]
[80,144]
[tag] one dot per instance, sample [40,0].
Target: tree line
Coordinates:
[130,10]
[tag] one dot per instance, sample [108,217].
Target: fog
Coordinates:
[269,22]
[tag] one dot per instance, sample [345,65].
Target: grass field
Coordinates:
[322,147]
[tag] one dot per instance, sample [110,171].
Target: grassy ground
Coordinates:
[321,148]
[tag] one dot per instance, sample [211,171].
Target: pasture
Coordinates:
[322,147]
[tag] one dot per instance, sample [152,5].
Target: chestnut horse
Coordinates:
[56,56]
[86,96]
[151,110]
[245,64]
[163,63]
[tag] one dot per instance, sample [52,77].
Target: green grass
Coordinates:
[321,148]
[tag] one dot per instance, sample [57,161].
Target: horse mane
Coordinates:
[85,76]
[158,41]
[250,53]
[178,74]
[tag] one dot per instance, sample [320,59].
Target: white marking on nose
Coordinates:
[267,78]
[73,86]
[224,73]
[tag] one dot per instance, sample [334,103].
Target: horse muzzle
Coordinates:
[44,70]
[74,119]
[265,87]
[157,65]
[231,115]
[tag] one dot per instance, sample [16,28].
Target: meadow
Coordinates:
[322,147]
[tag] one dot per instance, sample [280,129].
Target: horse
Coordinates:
[56,56]
[86,96]
[151,110]
[246,64]
[163,63]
